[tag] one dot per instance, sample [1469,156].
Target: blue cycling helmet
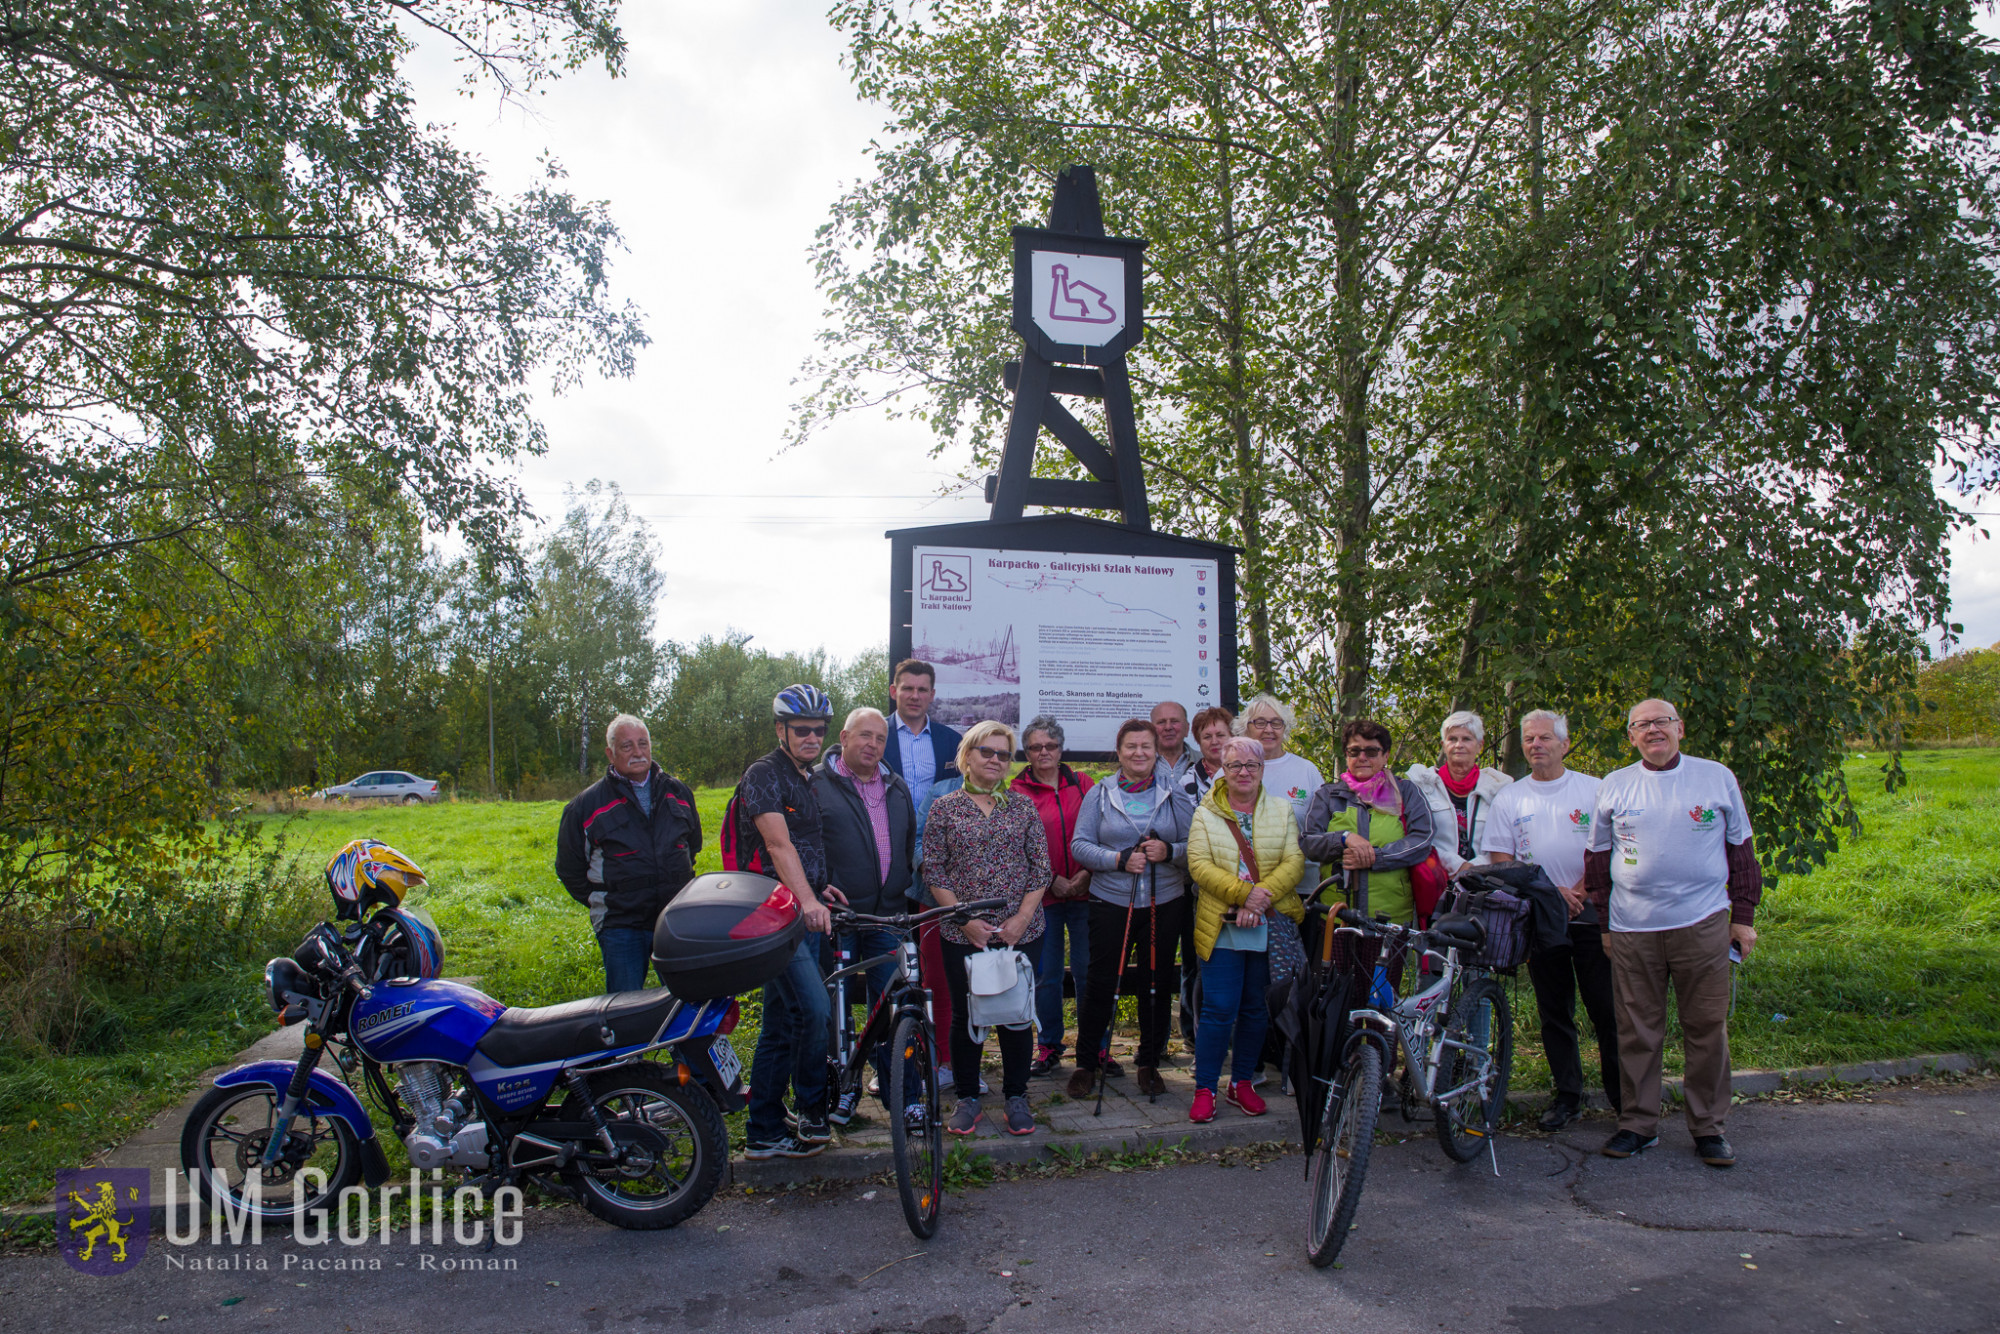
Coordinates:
[801,702]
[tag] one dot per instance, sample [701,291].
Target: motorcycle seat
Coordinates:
[530,1036]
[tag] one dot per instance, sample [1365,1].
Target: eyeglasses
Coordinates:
[1362,752]
[1266,724]
[1651,724]
[1243,767]
[807,729]
[990,753]
[1043,747]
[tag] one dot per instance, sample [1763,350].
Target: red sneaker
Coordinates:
[1203,1110]
[1245,1098]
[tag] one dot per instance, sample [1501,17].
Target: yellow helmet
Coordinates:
[369,871]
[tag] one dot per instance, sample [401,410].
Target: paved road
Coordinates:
[1856,1216]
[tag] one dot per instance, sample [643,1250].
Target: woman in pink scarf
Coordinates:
[1369,820]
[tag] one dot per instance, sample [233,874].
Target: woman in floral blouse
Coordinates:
[982,842]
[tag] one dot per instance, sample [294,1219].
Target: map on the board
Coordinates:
[1090,639]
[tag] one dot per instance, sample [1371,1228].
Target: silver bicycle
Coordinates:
[1456,1038]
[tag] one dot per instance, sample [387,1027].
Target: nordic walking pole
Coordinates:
[1117,980]
[1152,958]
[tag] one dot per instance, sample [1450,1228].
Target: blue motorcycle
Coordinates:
[620,1097]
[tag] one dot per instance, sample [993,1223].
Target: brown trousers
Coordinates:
[1696,959]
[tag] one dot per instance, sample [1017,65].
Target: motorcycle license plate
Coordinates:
[726,1062]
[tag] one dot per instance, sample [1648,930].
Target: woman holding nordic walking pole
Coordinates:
[1132,835]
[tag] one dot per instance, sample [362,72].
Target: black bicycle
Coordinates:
[901,1018]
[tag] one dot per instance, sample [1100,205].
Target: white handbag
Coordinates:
[1000,986]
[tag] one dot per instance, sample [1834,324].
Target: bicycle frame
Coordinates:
[902,995]
[1417,1025]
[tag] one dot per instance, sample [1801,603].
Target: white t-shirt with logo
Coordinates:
[1667,831]
[1545,823]
[1295,778]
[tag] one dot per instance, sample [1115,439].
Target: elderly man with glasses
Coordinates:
[1672,866]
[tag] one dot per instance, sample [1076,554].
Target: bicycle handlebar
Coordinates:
[910,921]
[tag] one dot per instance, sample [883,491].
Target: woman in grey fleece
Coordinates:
[1132,833]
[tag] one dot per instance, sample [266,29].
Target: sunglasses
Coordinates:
[1043,747]
[806,729]
[990,753]
[1363,752]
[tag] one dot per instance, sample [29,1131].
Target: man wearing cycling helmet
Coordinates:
[779,827]
[626,846]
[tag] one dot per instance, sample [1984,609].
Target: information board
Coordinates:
[1089,638]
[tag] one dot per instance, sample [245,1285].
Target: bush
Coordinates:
[80,954]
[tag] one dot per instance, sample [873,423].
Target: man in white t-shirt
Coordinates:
[1545,819]
[1672,861]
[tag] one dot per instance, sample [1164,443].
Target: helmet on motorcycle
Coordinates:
[366,872]
[410,947]
[801,702]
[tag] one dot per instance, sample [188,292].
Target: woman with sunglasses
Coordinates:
[1057,791]
[983,842]
[1399,821]
[1243,856]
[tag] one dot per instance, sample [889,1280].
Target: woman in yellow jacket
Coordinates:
[1243,855]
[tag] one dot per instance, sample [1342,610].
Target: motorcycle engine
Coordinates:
[440,1137]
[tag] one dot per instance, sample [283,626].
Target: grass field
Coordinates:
[1893,949]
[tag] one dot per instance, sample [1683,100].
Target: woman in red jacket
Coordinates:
[1057,791]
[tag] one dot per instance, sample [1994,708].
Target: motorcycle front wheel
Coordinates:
[672,1146]
[222,1145]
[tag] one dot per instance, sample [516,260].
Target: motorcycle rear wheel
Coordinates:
[675,1142]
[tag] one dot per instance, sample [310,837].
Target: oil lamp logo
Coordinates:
[102,1217]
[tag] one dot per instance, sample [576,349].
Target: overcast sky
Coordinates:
[719,153]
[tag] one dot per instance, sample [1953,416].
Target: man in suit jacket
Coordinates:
[920,751]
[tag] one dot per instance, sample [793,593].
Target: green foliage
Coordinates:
[1536,353]
[716,714]
[258,325]
[1958,699]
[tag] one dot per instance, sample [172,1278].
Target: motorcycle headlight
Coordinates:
[283,979]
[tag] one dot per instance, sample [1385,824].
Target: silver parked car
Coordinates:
[385,785]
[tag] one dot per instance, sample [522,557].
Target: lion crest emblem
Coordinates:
[102,1217]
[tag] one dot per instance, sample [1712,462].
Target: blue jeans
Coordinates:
[1071,916]
[627,952]
[791,1048]
[1232,1005]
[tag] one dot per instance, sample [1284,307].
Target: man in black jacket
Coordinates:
[869,827]
[625,847]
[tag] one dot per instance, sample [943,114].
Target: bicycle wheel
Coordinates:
[918,1149]
[1467,1118]
[1340,1155]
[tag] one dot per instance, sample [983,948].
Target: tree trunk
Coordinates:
[583,729]
[492,749]
[1253,590]
[1352,635]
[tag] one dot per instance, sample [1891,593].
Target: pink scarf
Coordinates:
[1379,791]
